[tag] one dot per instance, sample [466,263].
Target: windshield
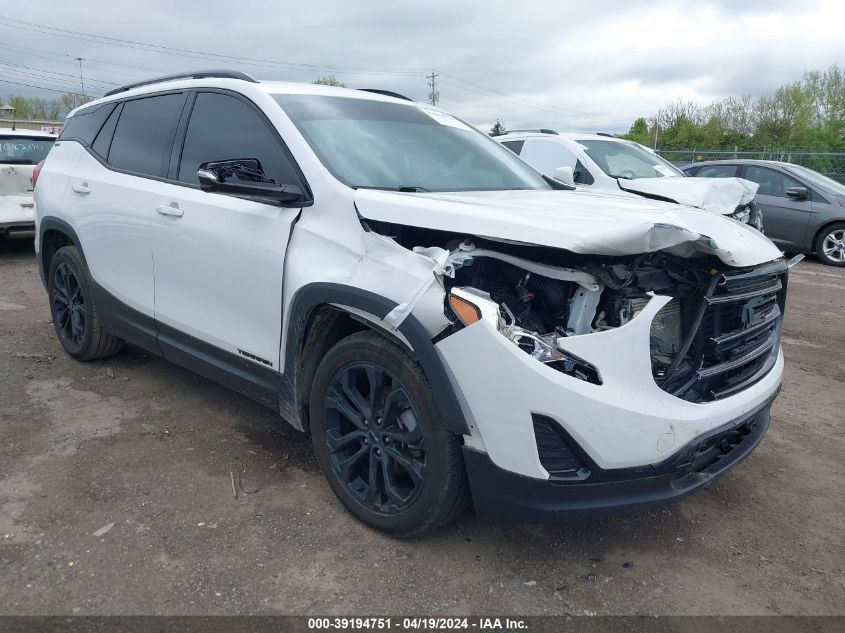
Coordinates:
[828,185]
[619,159]
[383,145]
[24,150]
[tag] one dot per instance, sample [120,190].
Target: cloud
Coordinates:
[568,65]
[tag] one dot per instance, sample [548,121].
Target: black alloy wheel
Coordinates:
[376,446]
[380,439]
[68,305]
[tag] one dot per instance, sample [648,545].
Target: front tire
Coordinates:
[830,245]
[380,440]
[74,312]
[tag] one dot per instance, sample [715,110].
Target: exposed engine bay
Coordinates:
[543,295]
[539,303]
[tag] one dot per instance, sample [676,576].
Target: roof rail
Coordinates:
[386,93]
[199,74]
[542,130]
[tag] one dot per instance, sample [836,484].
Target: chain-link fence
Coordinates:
[831,164]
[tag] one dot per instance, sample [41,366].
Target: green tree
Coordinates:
[328,80]
[807,114]
[498,128]
[639,131]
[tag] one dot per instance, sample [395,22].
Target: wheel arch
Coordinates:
[54,234]
[820,231]
[318,318]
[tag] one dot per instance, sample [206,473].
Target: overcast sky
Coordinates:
[592,65]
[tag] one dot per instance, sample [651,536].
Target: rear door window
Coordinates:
[716,171]
[144,134]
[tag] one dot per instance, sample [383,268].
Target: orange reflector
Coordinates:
[465,311]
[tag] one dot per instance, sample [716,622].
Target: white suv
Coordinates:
[21,153]
[607,163]
[440,317]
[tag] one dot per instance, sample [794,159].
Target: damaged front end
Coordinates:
[717,333]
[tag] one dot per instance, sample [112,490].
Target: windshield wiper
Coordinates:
[402,188]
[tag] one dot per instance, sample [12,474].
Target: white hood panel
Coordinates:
[583,222]
[719,195]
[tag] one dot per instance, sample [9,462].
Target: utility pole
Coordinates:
[433,96]
[656,128]
[81,83]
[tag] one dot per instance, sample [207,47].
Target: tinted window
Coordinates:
[24,150]
[514,146]
[83,126]
[716,171]
[144,134]
[387,145]
[103,140]
[581,175]
[223,127]
[772,183]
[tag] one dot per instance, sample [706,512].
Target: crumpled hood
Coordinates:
[579,221]
[720,195]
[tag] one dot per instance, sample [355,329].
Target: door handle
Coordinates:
[81,187]
[170,209]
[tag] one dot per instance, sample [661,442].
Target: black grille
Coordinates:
[732,335]
[712,452]
[555,455]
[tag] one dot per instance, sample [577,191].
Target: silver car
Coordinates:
[804,210]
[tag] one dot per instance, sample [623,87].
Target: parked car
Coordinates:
[20,153]
[439,316]
[804,210]
[601,161]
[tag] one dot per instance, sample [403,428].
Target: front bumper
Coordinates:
[505,498]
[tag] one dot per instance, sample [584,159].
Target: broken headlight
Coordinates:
[469,305]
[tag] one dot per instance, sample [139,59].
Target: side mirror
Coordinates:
[797,193]
[564,174]
[245,177]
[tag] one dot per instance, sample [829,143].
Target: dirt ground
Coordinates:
[146,448]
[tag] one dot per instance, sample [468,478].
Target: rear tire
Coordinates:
[830,245]
[75,315]
[393,465]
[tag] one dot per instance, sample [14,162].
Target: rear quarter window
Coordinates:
[84,125]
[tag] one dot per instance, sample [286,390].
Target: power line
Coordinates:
[17,83]
[55,72]
[196,54]
[53,81]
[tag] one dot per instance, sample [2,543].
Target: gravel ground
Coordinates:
[116,498]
